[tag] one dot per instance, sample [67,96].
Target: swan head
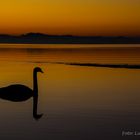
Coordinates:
[37,69]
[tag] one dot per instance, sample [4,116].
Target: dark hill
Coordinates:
[38,38]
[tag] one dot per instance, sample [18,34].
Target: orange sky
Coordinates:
[76,17]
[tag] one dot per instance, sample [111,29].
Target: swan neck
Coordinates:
[35,84]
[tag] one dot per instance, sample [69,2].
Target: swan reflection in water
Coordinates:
[19,93]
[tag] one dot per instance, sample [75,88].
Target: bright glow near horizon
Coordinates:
[85,17]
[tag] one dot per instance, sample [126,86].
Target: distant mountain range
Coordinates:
[38,38]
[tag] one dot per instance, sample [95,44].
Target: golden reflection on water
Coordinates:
[89,54]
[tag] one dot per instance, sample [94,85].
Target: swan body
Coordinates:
[16,93]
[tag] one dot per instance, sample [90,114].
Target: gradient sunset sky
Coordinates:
[75,17]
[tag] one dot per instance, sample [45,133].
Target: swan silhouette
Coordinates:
[19,93]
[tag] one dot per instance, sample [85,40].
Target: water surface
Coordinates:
[78,103]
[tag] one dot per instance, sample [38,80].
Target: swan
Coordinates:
[19,93]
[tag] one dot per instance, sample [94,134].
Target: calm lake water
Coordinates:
[77,102]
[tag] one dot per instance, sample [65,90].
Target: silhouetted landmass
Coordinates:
[38,38]
[127,66]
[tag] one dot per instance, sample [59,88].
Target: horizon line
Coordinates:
[27,33]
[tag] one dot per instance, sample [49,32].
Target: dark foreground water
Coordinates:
[78,102]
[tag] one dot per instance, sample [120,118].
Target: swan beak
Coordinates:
[41,71]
